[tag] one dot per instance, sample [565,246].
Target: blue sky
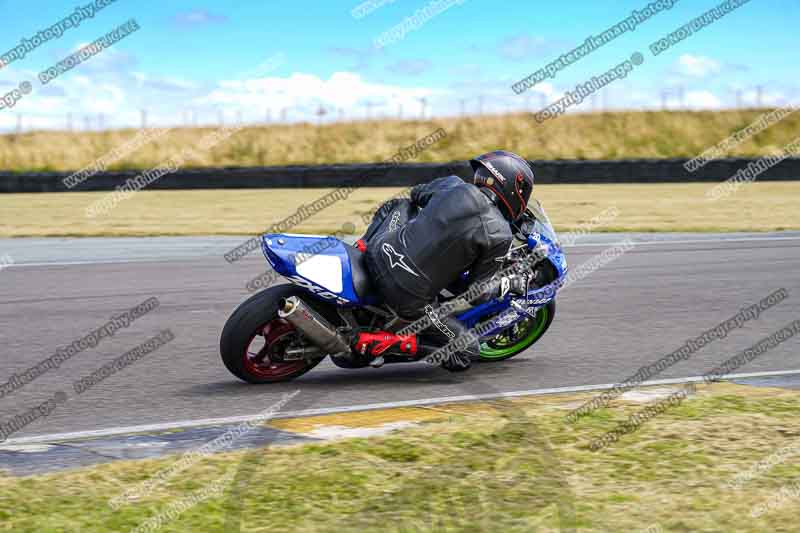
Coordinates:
[251,58]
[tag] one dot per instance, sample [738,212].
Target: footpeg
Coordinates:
[377,362]
[379,342]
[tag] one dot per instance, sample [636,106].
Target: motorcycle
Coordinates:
[329,308]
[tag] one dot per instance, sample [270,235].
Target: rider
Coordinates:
[415,249]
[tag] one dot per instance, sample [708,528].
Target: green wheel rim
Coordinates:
[536,330]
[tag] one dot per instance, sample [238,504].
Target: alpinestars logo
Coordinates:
[396,258]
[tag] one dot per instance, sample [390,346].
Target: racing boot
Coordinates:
[445,333]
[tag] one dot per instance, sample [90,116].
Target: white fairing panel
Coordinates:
[324,270]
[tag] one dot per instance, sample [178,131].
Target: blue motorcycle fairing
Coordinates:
[506,316]
[318,263]
[332,280]
[551,248]
[533,301]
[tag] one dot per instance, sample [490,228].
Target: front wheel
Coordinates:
[518,337]
[254,340]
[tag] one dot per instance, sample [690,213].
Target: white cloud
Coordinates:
[703,100]
[768,97]
[546,88]
[198,17]
[627,96]
[84,94]
[306,91]
[170,100]
[698,66]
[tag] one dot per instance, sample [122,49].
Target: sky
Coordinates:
[193,62]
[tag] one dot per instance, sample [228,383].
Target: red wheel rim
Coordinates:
[266,342]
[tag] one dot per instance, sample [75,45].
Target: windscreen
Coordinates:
[542,224]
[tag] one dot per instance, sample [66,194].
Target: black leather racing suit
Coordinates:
[458,228]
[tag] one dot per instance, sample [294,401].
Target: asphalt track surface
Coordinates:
[639,307]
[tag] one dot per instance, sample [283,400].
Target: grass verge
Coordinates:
[767,206]
[498,466]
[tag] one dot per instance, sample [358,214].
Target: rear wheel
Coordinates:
[254,340]
[518,337]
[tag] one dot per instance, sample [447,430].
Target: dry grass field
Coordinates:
[767,206]
[580,136]
[645,207]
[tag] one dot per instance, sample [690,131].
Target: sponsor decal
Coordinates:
[319,291]
[494,171]
[395,221]
[506,319]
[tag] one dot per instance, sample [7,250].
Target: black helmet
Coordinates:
[507,175]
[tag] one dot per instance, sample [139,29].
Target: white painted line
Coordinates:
[158,259]
[688,241]
[346,432]
[154,259]
[166,426]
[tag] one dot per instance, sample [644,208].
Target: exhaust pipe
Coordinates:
[312,324]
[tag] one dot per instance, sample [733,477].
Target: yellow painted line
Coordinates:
[380,417]
[413,410]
